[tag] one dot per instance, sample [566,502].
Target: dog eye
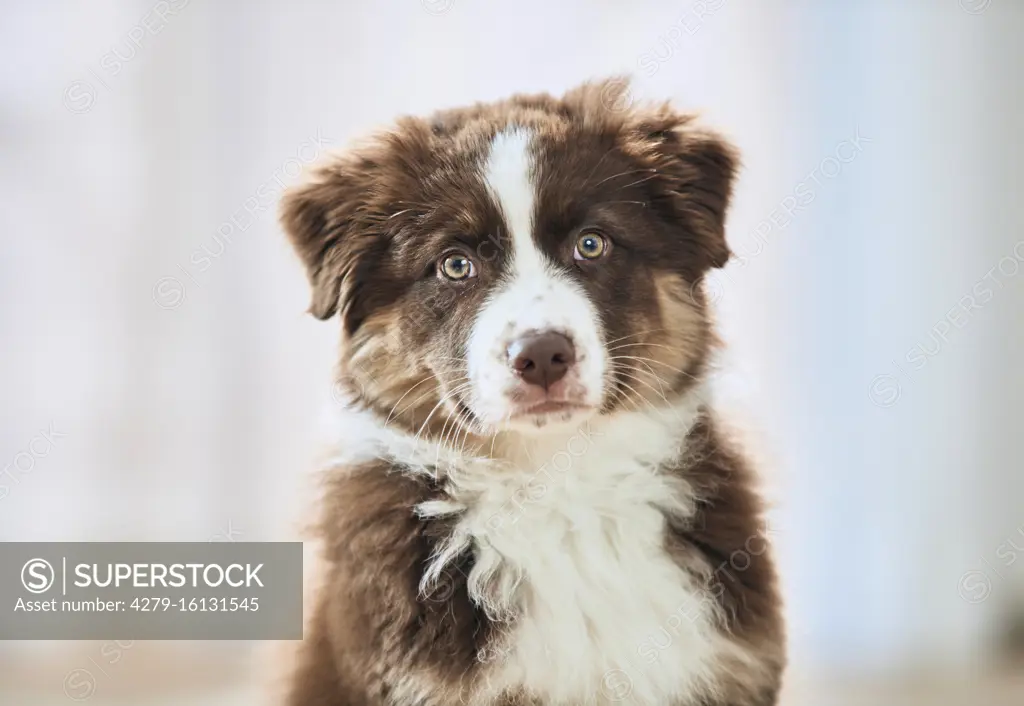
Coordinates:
[590,246]
[457,267]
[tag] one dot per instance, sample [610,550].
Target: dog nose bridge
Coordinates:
[542,358]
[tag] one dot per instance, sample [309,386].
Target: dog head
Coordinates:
[518,266]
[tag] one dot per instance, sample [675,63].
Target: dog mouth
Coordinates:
[534,413]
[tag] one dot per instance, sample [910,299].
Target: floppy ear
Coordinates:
[697,166]
[700,167]
[321,218]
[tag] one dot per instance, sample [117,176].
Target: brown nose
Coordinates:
[542,358]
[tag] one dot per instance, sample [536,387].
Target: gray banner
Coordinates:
[151,591]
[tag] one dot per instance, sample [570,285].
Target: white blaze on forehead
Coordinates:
[509,174]
[534,295]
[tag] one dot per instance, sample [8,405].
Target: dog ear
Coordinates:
[700,167]
[696,166]
[321,218]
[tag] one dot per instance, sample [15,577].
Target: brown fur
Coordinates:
[370,226]
[370,223]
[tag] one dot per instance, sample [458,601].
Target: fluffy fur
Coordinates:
[491,542]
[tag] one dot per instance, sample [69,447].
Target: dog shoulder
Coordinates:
[385,627]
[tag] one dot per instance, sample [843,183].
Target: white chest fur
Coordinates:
[568,537]
[569,547]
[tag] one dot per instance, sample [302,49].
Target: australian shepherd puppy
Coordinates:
[533,502]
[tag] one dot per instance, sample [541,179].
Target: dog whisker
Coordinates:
[621,174]
[520,476]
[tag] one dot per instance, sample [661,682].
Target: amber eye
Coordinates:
[457,267]
[590,246]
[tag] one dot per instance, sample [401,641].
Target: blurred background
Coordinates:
[162,381]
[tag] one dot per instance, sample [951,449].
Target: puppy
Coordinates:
[533,503]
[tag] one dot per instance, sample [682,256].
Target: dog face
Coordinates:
[518,266]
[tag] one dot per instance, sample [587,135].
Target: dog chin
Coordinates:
[549,417]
